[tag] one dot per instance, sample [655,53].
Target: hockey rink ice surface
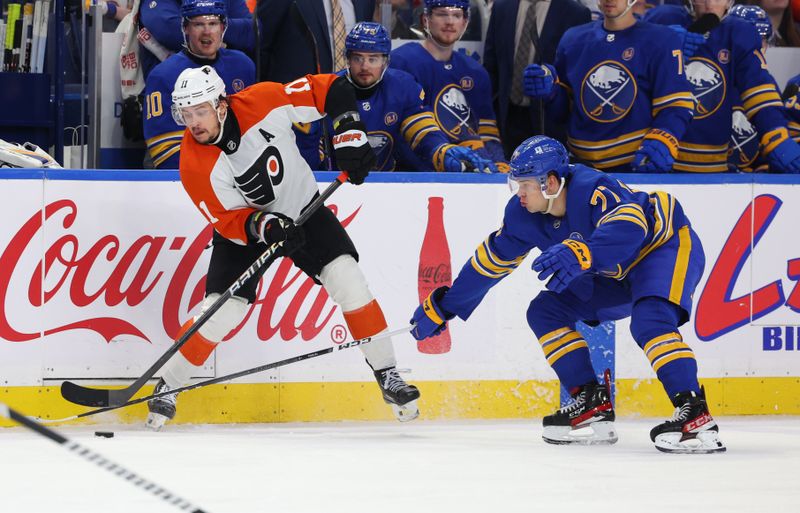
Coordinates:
[423,466]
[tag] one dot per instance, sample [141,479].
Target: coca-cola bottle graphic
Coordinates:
[434,269]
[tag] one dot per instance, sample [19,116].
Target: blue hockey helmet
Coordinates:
[535,159]
[756,16]
[458,4]
[192,8]
[367,36]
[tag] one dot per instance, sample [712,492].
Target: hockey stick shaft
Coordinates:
[102,397]
[101,461]
[239,374]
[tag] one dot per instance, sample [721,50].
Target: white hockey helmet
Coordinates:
[196,86]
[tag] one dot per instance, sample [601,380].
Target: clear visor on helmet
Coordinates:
[514,183]
[184,116]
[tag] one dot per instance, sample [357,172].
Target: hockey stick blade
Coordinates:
[95,397]
[239,374]
[99,460]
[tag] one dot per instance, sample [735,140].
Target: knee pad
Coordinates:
[652,317]
[224,320]
[345,283]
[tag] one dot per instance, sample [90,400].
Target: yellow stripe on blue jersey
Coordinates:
[487,263]
[666,348]
[794,131]
[681,264]
[560,342]
[683,99]
[701,158]
[165,156]
[756,98]
[487,130]
[415,127]
[609,152]
[163,146]
[627,212]
[663,210]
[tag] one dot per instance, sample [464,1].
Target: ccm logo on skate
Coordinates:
[351,138]
[697,423]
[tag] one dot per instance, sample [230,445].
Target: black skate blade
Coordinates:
[98,398]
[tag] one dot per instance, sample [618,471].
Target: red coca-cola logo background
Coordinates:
[435,274]
[130,274]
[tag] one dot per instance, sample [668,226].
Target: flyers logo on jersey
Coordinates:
[608,92]
[708,85]
[350,138]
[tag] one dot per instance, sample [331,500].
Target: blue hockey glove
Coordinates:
[690,41]
[785,157]
[538,81]
[430,318]
[564,262]
[459,158]
[653,156]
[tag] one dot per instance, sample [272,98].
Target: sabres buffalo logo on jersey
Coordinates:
[708,85]
[608,92]
[453,114]
[382,145]
[744,140]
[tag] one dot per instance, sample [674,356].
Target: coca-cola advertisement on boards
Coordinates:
[434,269]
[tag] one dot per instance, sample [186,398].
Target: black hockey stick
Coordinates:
[101,461]
[103,397]
[235,375]
[539,59]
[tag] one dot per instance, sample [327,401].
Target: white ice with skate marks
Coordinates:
[442,467]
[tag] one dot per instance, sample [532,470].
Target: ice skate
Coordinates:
[162,409]
[691,430]
[588,420]
[398,394]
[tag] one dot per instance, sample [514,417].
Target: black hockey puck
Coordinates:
[104,434]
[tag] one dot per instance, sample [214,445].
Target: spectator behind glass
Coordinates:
[204,24]
[297,36]
[162,18]
[780,14]
[509,48]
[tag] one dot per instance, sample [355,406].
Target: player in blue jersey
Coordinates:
[620,84]
[164,21]
[390,103]
[743,154]
[457,88]
[204,22]
[791,98]
[609,252]
[728,69]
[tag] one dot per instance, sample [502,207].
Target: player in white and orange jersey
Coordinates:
[241,168]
